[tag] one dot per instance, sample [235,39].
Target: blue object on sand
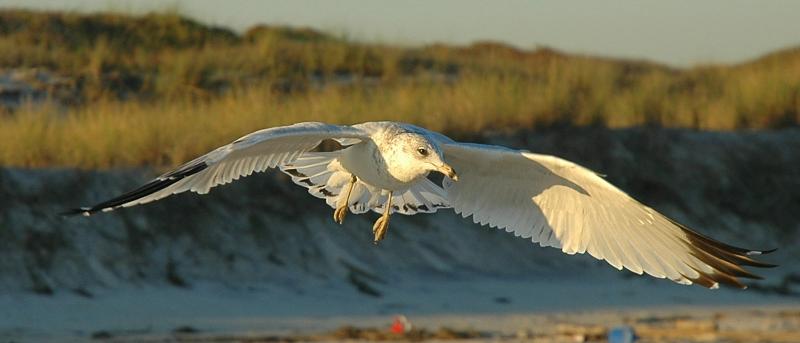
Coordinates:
[621,334]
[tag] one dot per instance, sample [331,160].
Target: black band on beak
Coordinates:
[449,171]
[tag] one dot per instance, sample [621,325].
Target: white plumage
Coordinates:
[543,198]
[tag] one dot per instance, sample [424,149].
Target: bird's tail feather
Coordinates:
[325,178]
[320,173]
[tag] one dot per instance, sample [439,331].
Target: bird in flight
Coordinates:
[383,167]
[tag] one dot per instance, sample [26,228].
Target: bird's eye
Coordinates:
[422,151]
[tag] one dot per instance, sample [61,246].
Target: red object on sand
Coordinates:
[399,325]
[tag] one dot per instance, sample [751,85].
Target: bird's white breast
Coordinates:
[365,161]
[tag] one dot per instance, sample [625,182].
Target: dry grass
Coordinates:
[160,89]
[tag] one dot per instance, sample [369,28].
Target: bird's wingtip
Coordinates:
[84,211]
[760,252]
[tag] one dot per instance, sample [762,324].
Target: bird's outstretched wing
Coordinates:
[255,152]
[558,203]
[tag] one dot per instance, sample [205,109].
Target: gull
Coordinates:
[384,167]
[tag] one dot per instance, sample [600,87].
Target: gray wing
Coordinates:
[254,152]
[560,204]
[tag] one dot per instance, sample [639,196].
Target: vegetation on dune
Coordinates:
[158,89]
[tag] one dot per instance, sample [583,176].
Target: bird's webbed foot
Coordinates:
[380,227]
[382,224]
[339,214]
[344,203]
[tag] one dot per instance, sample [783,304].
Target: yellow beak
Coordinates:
[449,171]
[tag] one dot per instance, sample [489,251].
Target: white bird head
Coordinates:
[415,156]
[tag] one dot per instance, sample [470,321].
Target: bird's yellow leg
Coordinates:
[341,207]
[379,229]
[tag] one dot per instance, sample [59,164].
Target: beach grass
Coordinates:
[159,89]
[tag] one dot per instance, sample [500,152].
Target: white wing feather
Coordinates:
[560,204]
[254,152]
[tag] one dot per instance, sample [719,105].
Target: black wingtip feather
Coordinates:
[149,188]
[726,260]
[76,211]
[761,252]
